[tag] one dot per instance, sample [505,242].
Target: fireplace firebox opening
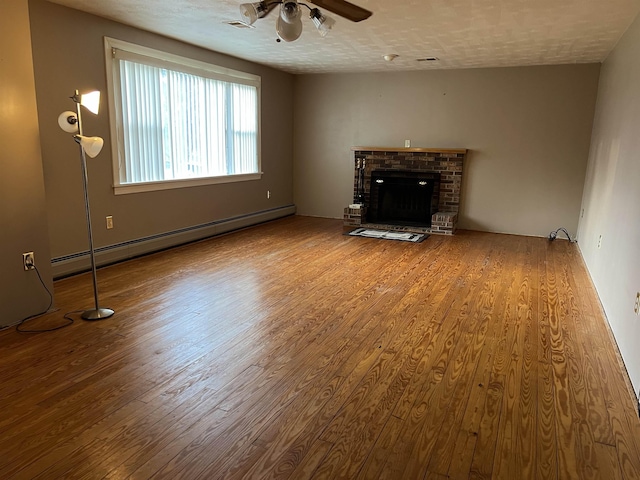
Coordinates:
[403,197]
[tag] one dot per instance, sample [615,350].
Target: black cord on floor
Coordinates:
[22,322]
[554,234]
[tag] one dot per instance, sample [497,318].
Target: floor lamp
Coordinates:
[71,122]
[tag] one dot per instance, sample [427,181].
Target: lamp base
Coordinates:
[97,314]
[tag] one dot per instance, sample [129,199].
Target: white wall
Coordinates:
[612,196]
[527,129]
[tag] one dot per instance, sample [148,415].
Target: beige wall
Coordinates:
[22,202]
[69,54]
[612,196]
[527,129]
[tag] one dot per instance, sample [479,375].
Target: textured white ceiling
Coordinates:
[461,33]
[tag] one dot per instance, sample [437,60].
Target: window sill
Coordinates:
[124,189]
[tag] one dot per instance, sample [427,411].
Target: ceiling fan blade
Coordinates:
[344,9]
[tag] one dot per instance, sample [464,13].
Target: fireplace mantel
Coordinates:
[462,151]
[445,162]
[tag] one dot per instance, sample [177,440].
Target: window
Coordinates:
[178,122]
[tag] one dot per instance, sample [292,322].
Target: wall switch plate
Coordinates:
[109,222]
[268,194]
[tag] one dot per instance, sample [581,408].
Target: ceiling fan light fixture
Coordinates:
[322,22]
[289,21]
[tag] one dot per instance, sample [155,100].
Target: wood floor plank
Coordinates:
[291,351]
[608,462]
[482,462]
[304,470]
[567,436]
[526,424]
[514,440]
[622,415]
[497,421]
[546,444]
[372,467]
[588,391]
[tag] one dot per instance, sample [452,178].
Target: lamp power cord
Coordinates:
[20,326]
[553,235]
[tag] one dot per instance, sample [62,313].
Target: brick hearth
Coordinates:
[447,162]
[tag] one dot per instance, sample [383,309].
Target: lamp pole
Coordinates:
[97,313]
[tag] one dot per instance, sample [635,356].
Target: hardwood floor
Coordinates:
[289,350]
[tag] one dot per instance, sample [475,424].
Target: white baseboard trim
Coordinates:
[81,261]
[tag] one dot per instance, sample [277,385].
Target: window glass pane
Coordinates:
[180,125]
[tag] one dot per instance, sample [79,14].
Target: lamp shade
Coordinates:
[91,101]
[91,145]
[68,121]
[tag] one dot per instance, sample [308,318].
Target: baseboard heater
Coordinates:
[79,262]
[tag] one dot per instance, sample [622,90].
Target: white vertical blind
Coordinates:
[141,119]
[179,125]
[244,127]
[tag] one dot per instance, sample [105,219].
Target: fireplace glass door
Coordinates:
[403,198]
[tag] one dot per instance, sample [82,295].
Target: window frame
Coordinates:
[174,62]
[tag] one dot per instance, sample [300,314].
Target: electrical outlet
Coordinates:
[636,307]
[28,261]
[599,241]
[407,143]
[582,213]
[268,194]
[109,222]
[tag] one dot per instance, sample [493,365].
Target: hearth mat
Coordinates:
[389,235]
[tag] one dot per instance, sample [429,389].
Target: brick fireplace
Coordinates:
[439,169]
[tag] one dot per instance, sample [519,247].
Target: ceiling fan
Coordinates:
[289,22]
